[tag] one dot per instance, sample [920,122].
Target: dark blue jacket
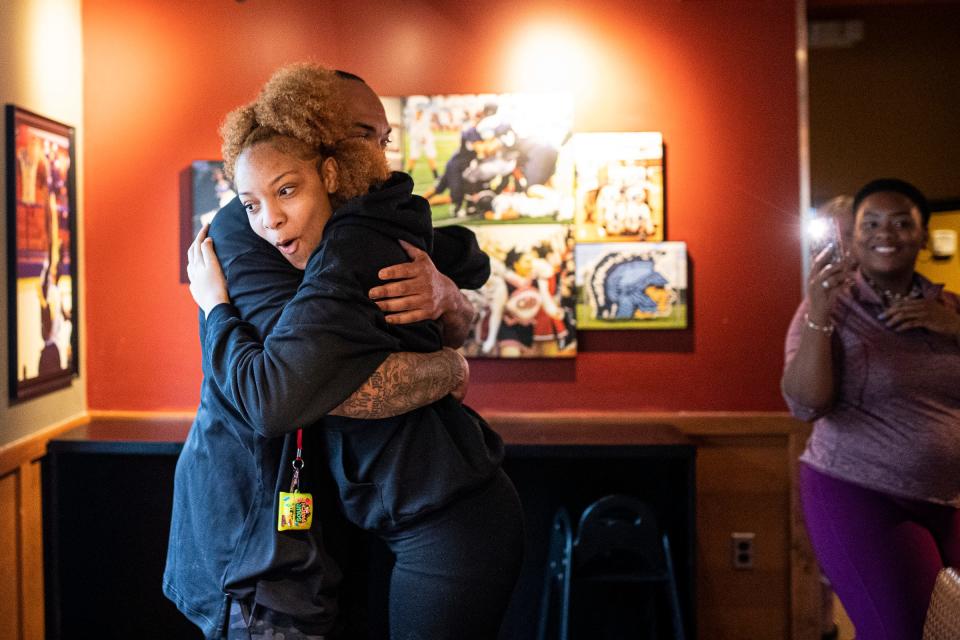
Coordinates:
[223,537]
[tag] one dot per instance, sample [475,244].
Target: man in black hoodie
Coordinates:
[225,551]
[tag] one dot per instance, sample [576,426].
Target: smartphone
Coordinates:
[822,232]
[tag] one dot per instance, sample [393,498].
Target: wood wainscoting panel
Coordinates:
[21,533]
[746,482]
[21,554]
[743,485]
[805,597]
[9,557]
[745,474]
[31,551]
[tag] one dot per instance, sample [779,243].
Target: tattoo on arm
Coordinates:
[404,382]
[457,322]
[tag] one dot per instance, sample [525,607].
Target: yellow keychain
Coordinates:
[296,511]
[296,508]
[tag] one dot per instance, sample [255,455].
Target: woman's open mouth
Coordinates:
[288,247]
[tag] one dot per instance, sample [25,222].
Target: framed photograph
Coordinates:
[636,285]
[490,158]
[619,186]
[204,191]
[527,307]
[42,254]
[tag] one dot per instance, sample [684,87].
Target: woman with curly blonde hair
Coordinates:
[427,482]
[300,112]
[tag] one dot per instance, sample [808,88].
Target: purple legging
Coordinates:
[880,553]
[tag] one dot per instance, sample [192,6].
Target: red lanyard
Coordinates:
[297,463]
[295,510]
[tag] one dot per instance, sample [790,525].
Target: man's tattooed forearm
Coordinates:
[404,382]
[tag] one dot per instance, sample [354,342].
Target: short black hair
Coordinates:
[895,185]
[346,75]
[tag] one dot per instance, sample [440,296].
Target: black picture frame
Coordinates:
[42,267]
[204,189]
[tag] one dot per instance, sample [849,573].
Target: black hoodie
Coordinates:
[389,471]
[327,341]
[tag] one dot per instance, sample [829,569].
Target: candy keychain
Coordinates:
[296,509]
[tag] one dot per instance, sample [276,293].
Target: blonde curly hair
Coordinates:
[301,110]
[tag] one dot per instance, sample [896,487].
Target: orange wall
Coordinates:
[717,77]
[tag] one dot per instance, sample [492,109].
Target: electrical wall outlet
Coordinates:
[741,546]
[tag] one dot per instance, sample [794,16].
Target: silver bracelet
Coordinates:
[822,328]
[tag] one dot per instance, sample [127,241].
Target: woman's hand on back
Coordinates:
[208,286]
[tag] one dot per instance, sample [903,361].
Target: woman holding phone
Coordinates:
[873,359]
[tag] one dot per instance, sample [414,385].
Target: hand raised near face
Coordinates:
[826,281]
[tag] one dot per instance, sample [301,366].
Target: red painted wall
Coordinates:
[716,77]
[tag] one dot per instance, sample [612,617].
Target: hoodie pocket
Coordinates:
[391,472]
[360,498]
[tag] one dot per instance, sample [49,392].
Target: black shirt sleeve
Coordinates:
[457,255]
[327,342]
[286,366]
[259,280]
[322,348]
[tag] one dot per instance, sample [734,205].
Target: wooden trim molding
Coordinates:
[34,446]
[566,427]
[691,424]
[149,416]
